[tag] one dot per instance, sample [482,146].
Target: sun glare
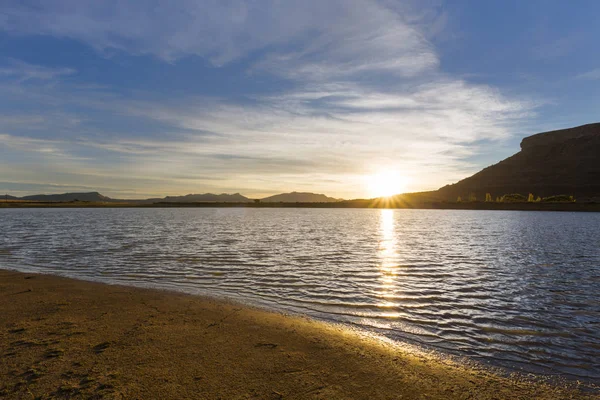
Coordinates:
[386,183]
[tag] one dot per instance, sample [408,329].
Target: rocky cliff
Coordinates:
[565,161]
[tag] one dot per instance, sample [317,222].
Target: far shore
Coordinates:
[64,338]
[380,204]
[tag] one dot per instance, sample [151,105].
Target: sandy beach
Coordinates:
[64,338]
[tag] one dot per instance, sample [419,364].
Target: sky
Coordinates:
[139,99]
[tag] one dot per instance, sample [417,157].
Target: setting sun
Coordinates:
[386,183]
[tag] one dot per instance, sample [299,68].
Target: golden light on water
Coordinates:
[385,183]
[387,245]
[387,254]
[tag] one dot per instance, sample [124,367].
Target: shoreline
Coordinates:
[72,338]
[360,204]
[404,345]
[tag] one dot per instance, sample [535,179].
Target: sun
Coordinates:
[386,183]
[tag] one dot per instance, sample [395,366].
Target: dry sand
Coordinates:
[63,338]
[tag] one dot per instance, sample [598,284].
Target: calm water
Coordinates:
[514,289]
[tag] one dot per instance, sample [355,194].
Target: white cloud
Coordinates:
[359,38]
[277,142]
[590,75]
[368,94]
[221,31]
[427,132]
[28,144]
[356,35]
[39,121]
[22,71]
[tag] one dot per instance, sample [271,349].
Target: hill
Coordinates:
[299,197]
[203,198]
[550,163]
[89,196]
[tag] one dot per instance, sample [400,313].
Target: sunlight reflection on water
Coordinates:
[387,257]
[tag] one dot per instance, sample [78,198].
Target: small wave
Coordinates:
[475,287]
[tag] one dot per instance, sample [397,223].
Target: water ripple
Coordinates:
[515,289]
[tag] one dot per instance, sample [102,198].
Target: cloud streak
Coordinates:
[592,75]
[23,72]
[365,92]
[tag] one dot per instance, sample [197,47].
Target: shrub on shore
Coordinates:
[519,198]
[561,198]
[530,198]
[513,198]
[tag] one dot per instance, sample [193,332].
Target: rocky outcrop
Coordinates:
[565,161]
[88,196]
[299,197]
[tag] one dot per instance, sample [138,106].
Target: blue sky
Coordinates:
[146,98]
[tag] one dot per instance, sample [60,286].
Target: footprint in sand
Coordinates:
[99,348]
[53,353]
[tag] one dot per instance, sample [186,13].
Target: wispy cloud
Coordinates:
[362,39]
[355,35]
[31,144]
[39,121]
[365,92]
[22,71]
[590,75]
[341,131]
[220,31]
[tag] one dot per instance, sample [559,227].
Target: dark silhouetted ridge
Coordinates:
[89,196]
[565,161]
[204,198]
[299,197]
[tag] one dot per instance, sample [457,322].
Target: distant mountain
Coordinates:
[565,161]
[299,197]
[8,197]
[90,196]
[204,198]
[97,197]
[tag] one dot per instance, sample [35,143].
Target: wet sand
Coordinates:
[63,338]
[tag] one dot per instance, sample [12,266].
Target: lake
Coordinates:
[518,290]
